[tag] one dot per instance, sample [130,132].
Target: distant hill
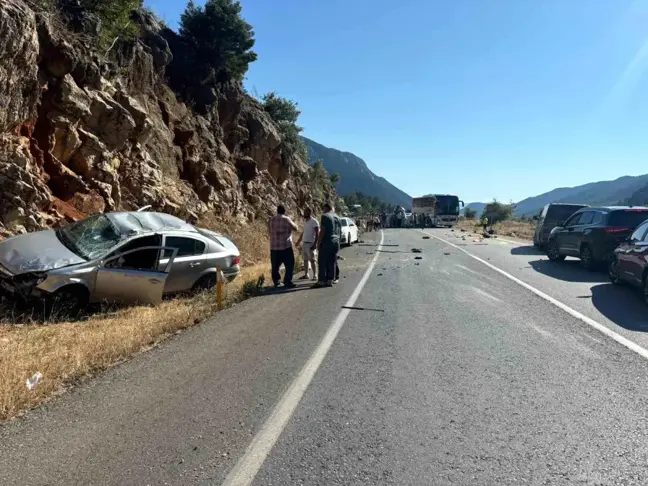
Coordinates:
[355,175]
[617,191]
[478,207]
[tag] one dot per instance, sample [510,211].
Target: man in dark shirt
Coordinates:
[329,246]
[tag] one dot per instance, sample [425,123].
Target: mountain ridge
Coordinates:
[608,192]
[355,175]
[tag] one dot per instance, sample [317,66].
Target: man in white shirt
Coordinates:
[308,240]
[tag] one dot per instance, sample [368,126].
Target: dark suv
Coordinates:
[592,234]
[551,215]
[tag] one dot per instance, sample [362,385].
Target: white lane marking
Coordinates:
[482,275]
[541,331]
[485,294]
[574,313]
[248,466]
[469,270]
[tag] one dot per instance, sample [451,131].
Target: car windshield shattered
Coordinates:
[90,238]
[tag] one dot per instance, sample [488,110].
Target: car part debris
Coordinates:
[380,274]
[426,237]
[417,250]
[361,308]
[446,253]
[34,380]
[418,258]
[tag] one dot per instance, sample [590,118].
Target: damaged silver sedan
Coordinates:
[128,257]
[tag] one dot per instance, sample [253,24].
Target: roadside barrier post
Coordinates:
[219,288]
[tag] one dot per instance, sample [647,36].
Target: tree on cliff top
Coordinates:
[220,37]
[285,113]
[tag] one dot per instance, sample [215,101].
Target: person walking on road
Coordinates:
[308,241]
[281,228]
[328,246]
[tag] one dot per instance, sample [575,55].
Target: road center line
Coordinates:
[248,466]
[574,313]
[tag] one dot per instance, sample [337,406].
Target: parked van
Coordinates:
[549,217]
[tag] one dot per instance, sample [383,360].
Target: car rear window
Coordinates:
[343,222]
[561,213]
[630,218]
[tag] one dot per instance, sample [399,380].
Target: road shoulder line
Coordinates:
[250,463]
[574,313]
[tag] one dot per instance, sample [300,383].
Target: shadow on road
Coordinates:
[568,271]
[526,250]
[622,305]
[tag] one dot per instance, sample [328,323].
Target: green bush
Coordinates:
[285,113]
[219,36]
[115,19]
[470,213]
[496,211]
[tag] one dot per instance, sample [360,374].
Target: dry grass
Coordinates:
[522,230]
[65,352]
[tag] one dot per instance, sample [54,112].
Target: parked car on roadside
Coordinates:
[349,231]
[130,257]
[549,217]
[630,263]
[592,234]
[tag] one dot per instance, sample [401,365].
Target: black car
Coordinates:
[551,215]
[631,262]
[592,234]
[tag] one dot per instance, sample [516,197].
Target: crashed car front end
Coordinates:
[23,286]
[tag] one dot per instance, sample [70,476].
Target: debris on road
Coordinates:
[446,253]
[418,258]
[426,237]
[380,274]
[34,380]
[463,230]
[417,250]
[362,308]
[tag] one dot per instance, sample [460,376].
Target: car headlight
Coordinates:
[5,271]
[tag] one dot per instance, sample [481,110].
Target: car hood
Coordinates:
[36,252]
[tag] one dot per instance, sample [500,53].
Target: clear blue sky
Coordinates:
[480,98]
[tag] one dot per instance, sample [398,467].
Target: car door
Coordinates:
[188,264]
[354,231]
[133,276]
[581,229]
[566,235]
[632,254]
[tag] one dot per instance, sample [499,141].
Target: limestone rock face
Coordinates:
[80,134]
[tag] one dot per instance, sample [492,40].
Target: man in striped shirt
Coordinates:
[281,228]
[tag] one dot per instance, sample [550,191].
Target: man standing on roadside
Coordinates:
[308,240]
[329,246]
[281,227]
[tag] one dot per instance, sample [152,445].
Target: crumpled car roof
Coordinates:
[144,222]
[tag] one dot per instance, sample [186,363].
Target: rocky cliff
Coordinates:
[82,132]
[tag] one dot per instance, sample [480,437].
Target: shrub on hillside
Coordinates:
[496,211]
[219,36]
[470,213]
[285,113]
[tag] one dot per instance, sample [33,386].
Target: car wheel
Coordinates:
[553,253]
[587,258]
[205,283]
[67,303]
[613,271]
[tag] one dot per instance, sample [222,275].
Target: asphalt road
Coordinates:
[455,375]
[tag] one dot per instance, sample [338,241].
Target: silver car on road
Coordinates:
[130,257]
